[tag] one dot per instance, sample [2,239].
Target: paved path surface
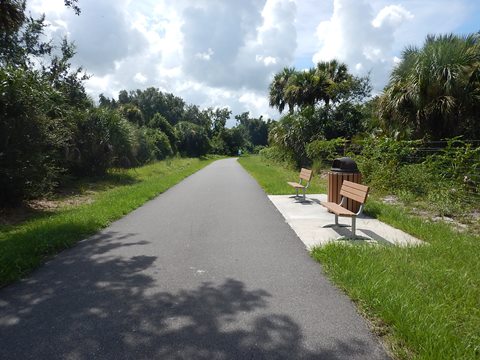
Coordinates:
[208,270]
[307,219]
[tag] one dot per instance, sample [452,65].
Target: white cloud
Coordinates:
[357,36]
[266,60]
[140,78]
[207,55]
[224,53]
[392,15]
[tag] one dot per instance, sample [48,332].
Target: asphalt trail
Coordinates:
[207,270]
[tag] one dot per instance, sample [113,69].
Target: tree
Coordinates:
[435,91]
[256,129]
[278,87]
[328,83]
[132,113]
[336,79]
[21,35]
[192,139]
[218,119]
[29,140]
[63,79]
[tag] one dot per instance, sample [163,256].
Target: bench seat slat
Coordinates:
[295,185]
[337,209]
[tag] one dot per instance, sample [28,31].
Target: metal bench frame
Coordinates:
[352,191]
[305,174]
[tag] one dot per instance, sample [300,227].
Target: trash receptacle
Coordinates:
[344,168]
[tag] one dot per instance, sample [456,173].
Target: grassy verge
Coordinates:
[425,300]
[26,245]
[273,178]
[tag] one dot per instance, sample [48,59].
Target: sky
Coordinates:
[224,53]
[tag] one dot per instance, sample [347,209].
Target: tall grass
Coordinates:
[25,246]
[426,300]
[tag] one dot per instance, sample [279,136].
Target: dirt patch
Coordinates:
[50,205]
[466,222]
[40,207]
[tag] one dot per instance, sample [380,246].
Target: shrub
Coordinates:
[152,145]
[446,181]
[381,160]
[29,139]
[160,123]
[325,151]
[278,154]
[103,138]
[257,148]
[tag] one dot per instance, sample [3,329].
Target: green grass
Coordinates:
[273,178]
[424,301]
[25,246]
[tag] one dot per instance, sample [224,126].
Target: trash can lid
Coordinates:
[344,164]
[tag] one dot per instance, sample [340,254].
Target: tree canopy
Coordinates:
[434,92]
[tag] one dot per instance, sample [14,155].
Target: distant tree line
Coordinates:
[51,130]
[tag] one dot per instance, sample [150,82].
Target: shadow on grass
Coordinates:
[12,217]
[115,177]
[66,195]
[24,250]
[91,301]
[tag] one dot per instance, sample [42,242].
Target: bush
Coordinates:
[446,181]
[279,155]
[160,123]
[257,148]
[325,151]
[381,160]
[29,139]
[103,138]
[152,145]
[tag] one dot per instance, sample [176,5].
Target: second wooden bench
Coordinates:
[305,174]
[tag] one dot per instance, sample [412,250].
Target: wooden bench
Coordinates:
[349,190]
[305,174]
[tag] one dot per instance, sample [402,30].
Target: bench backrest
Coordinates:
[306,174]
[354,191]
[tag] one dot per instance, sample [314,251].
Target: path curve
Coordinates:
[207,270]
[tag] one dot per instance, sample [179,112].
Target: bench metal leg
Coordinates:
[304,198]
[296,192]
[336,223]
[354,225]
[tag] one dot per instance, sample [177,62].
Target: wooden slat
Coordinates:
[353,196]
[295,185]
[357,186]
[306,174]
[351,191]
[356,192]
[337,209]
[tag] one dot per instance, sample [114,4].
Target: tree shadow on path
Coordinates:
[90,303]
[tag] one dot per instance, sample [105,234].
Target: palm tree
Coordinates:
[336,77]
[435,90]
[277,89]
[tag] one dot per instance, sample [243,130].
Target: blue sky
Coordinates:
[224,52]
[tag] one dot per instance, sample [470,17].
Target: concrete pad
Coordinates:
[307,219]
